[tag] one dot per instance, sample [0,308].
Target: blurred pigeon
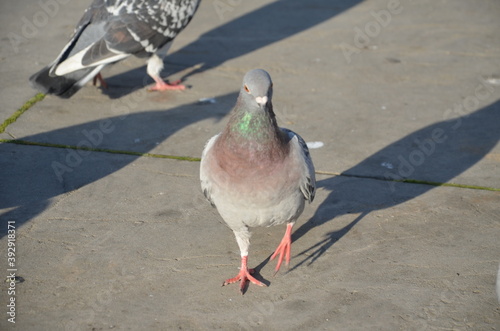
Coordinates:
[256,173]
[110,31]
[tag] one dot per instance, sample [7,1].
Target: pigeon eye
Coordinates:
[246,89]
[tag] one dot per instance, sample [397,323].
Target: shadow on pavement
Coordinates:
[438,153]
[260,28]
[32,176]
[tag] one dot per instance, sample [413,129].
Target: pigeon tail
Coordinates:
[110,31]
[62,86]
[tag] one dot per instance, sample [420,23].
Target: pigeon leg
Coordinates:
[101,80]
[155,66]
[284,248]
[243,276]
[163,86]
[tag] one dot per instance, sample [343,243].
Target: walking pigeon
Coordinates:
[256,173]
[110,31]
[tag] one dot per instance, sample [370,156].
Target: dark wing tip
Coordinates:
[207,196]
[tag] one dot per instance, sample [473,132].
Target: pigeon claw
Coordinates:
[244,276]
[164,86]
[284,249]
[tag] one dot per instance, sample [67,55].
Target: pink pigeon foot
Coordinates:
[284,248]
[243,276]
[164,86]
[101,80]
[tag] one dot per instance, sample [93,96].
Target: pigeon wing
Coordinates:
[113,30]
[308,179]
[89,32]
[206,184]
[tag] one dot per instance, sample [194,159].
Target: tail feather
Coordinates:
[62,86]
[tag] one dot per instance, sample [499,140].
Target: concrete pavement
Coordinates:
[118,238]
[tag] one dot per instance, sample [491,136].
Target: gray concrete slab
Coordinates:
[32,32]
[116,241]
[139,248]
[408,83]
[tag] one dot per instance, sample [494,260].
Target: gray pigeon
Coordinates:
[256,173]
[110,31]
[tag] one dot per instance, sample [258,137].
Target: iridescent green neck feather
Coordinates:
[244,124]
[255,126]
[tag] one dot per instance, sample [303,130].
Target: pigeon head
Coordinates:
[257,89]
[253,118]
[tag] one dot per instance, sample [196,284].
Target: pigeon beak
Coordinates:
[262,101]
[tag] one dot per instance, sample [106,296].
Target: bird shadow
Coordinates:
[435,153]
[257,29]
[32,176]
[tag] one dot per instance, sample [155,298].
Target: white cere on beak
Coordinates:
[261,100]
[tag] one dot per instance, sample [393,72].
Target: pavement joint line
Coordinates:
[27,105]
[411,181]
[197,159]
[101,150]
[40,96]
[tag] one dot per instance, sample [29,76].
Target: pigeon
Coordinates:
[255,173]
[110,31]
